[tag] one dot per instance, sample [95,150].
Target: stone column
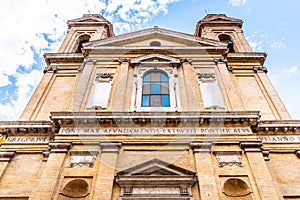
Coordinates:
[205,170]
[191,86]
[120,89]
[260,171]
[232,91]
[51,171]
[5,158]
[106,173]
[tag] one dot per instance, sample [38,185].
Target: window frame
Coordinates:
[170,72]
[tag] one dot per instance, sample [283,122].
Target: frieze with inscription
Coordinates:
[26,140]
[279,138]
[152,130]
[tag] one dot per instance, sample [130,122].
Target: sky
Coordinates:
[30,28]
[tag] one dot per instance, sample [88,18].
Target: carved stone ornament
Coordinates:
[206,76]
[229,158]
[81,158]
[104,77]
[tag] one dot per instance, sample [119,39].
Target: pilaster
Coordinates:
[5,158]
[106,172]
[205,170]
[259,169]
[280,109]
[82,84]
[235,100]
[192,88]
[120,89]
[51,171]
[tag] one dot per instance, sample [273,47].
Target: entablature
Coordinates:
[246,118]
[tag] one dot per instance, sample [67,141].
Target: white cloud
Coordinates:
[237,3]
[30,25]
[277,45]
[289,72]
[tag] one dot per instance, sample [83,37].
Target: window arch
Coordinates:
[227,39]
[155,91]
[82,39]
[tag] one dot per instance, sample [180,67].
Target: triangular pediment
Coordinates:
[154,37]
[155,58]
[156,167]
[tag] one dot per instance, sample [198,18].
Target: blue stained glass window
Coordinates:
[147,78]
[145,101]
[165,101]
[158,93]
[155,88]
[163,78]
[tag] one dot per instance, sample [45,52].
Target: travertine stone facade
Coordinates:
[152,114]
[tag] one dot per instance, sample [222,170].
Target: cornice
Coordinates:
[25,127]
[51,58]
[246,57]
[275,126]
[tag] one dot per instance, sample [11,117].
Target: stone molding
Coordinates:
[201,147]
[6,156]
[229,158]
[251,146]
[59,147]
[110,147]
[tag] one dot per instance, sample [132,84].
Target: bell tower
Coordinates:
[224,29]
[87,28]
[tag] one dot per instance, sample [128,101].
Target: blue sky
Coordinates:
[270,26]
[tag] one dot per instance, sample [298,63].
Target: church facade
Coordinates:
[152,114]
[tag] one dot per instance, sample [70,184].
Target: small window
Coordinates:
[155,92]
[82,39]
[155,44]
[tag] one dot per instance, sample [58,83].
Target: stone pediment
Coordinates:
[154,38]
[156,167]
[155,58]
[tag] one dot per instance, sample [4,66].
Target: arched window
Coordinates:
[155,91]
[82,39]
[227,39]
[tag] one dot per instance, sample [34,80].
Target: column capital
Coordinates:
[187,60]
[110,147]
[204,146]
[59,147]
[6,156]
[124,60]
[251,146]
[297,152]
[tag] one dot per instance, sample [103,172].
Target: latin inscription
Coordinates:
[27,140]
[280,138]
[155,131]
